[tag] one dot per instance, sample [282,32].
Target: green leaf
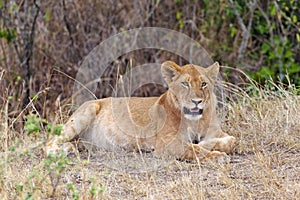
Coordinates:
[102,189]
[181,24]
[233,31]
[298,37]
[294,19]
[262,29]
[93,191]
[277,39]
[265,72]
[271,55]
[178,15]
[15,7]
[288,54]
[279,50]
[35,97]
[19,187]
[47,15]
[294,69]
[272,10]
[29,197]
[71,186]
[265,47]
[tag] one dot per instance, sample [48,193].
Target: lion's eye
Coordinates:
[204,84]
[185,84]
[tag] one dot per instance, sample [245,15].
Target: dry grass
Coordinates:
[265,164]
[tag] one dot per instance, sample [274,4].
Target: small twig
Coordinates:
[1,74]
[82,85]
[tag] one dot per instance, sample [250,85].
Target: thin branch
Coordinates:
[283,39]
[246,30]
[67,23]
[267,20]
[30,44]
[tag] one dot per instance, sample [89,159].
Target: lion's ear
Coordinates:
[169,70]
[213,71]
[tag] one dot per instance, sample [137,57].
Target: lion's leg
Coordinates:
[194,151]
[188,151]
[223,143]
[76,125]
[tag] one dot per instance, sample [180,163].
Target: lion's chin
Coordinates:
[193,117]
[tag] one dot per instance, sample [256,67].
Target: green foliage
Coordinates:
[277,45]
[54,128]
[94,189]
[274,41]
[9,35]
[50,169]
[33,125]
[180,20]
[56,164]
[47,16]
[75,194]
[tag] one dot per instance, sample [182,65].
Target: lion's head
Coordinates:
[191,87]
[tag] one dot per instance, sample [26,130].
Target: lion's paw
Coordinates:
[219,157]
[231,144]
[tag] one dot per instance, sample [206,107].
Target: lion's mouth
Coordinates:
[192,111]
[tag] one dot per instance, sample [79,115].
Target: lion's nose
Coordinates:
[196,101]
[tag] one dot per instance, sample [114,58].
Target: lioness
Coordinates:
[182,122]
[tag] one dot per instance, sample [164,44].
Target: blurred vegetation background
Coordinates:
[42,42]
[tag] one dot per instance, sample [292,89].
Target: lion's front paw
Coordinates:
[230,144]
[219,157]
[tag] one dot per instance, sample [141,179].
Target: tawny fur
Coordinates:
[157,124]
